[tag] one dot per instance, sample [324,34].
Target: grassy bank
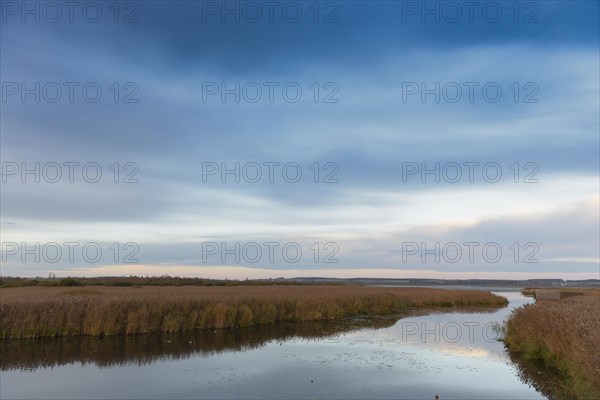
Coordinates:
[565,335]
[562,293]
[33,312]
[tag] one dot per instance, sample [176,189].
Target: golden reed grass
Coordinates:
[564,334]
[33,312]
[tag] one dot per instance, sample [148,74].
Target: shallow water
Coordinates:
[455,355]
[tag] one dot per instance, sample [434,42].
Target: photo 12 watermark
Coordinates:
[69,172]
[450,332]
[470,172]
[270,172]
[69,92]
[470,252]
[454,12]
[270,92]
[469,92]
[270,12]
[269,252]
[70,252]
[70,12]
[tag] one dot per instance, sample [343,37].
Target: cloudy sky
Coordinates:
[254,139]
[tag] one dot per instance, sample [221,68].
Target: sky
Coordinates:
[281,139]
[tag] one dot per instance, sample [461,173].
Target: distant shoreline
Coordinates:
[165,280]
[461,287]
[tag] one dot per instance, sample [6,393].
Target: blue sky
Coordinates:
[370,62]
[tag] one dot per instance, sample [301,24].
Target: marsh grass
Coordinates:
[565,335]
[34,312]
[80,292]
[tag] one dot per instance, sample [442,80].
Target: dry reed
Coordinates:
[33,312]
[563,334]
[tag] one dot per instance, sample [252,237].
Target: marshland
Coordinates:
[256,339]
[561,330]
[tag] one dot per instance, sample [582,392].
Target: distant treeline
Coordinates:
[164,280]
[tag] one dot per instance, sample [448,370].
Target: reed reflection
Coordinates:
[30,355]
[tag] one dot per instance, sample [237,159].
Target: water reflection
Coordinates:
[29,355]
[548,381]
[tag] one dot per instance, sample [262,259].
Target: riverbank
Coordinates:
[35,312]
[563,334]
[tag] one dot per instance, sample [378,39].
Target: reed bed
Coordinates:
[565,335]
[35,312]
